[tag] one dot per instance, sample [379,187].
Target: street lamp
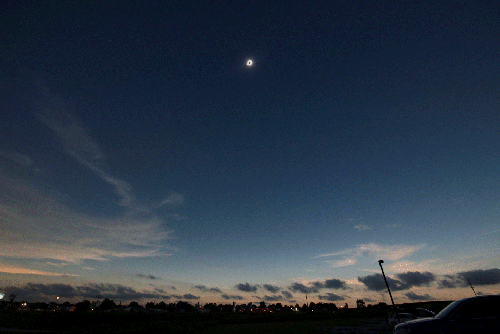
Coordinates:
[385,279]
[388,289]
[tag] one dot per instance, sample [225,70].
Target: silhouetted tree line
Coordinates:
[181,306]
[108,304]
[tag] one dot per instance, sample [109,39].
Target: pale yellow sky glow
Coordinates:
[24,271]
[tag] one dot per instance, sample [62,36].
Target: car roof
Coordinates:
[450,309]
[479,297]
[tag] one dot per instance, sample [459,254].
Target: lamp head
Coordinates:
[380,261]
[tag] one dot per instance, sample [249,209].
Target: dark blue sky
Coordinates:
[362,129]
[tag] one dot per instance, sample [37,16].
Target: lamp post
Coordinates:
[388,289]
[385,279]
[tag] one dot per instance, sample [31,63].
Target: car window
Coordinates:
[489,308]
[479,308]
[424,313]
[447,310]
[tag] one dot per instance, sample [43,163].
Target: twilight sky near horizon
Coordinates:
[141,158]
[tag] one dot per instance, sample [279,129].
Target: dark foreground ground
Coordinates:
[70,322]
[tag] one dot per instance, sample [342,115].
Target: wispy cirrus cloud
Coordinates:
[52,111]
[20,159]
[121,188]
[362,227]
[35,225]
[341,263]
[172,200]
[375,251]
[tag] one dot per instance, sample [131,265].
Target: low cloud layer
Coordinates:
[301,288]
[478,277]
[116,292]
[408,280]
[271,288]
[315,287]
[232,297]
[186,296]
[331,297]
[402,281]
[416,278]
[414,297]
[147,276]
[273,298]
[330,284]
[203,288]
[246,287]
[481,277]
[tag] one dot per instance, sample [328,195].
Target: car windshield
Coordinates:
[447,310]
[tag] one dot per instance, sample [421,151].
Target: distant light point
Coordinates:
[249,62]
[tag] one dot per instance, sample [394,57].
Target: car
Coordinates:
[400,317]
[480,314]
[422,313]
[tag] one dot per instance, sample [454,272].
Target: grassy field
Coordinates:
[363,321]
[337,326]
[211,323]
